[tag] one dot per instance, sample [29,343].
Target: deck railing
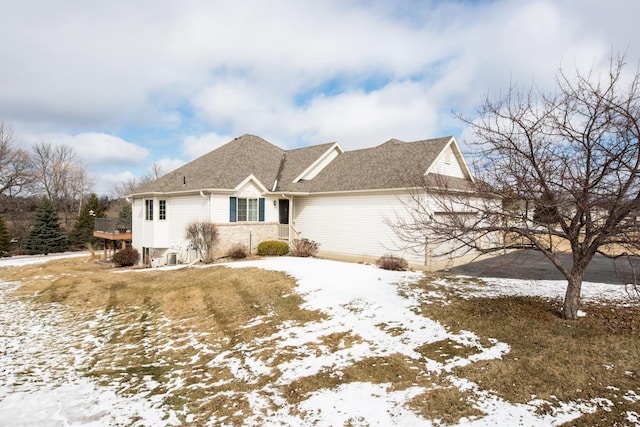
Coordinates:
[110,226]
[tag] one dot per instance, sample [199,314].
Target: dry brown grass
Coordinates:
[140,312]
[551,358]
[447,404]
[228,297]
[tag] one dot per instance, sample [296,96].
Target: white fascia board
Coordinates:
[255,180]
[453,144]
[183,192]
[319,160]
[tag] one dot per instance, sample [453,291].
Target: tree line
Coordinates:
[46,199]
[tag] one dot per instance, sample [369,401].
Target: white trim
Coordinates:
[182,192]
[253,179]
[314,169]
[453,145]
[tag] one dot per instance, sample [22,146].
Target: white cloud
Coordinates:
[361,119]
[108,181]
[229,68]
[94,149]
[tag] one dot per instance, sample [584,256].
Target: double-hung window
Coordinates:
[162,210]
[246,209]
[148,210]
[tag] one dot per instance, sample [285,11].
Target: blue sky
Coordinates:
[132,83]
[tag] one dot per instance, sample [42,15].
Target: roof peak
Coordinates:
[393,141]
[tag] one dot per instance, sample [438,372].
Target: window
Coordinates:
[162,210]
[252,209]
[246,209]
[148,210]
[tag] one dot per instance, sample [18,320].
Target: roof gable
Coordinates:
[321,168]
[251,186]
[386,166]
[450,162]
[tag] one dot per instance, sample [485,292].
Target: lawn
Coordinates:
[291,341]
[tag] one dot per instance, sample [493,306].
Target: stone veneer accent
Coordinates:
[248,234]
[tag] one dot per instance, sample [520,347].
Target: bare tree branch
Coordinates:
[553,170]
[15,165]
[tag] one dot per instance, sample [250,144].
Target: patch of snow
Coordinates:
[41,360]
[17,261]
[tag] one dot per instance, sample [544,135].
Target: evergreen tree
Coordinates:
[83,229]
[45,235]
[124,216]
[5,239]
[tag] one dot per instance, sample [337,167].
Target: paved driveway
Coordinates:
[528,264]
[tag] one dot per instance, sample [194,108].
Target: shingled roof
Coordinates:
[385,166]
[223,168]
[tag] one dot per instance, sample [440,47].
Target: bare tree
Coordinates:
[130,186]
[61,177]
[552,169]
[155,172]
[203,236]
[121,190]
[15,165]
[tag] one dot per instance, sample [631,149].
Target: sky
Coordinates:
[129,84]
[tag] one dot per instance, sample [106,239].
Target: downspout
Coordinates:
[208,204]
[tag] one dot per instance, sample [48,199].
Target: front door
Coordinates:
[283,205]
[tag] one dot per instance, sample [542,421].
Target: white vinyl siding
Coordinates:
[352,225]
[183,211]
[180,211]
[169,235]
[447,164]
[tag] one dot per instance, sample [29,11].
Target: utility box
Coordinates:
[172,258]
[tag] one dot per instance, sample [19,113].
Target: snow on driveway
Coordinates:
[42,357]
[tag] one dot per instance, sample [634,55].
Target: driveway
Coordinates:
[528,264]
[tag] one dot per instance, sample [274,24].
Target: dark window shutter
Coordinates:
[233,205]
[261,209]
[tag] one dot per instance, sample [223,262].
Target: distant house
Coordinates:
[256,191]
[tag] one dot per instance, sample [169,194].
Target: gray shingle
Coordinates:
[224,167]
[385,166]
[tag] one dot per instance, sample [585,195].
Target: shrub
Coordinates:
[238,251]
[203,236]
[126,257]
[273,248]
[304,247]
[392,262]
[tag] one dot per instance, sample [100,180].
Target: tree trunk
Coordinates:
[572,298]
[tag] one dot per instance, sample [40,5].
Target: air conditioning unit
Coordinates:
[172,259]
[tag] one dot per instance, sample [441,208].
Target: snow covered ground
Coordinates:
[42,356]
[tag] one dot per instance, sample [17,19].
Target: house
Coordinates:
[255,191]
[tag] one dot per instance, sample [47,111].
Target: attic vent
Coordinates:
[448,156]
[184,180]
